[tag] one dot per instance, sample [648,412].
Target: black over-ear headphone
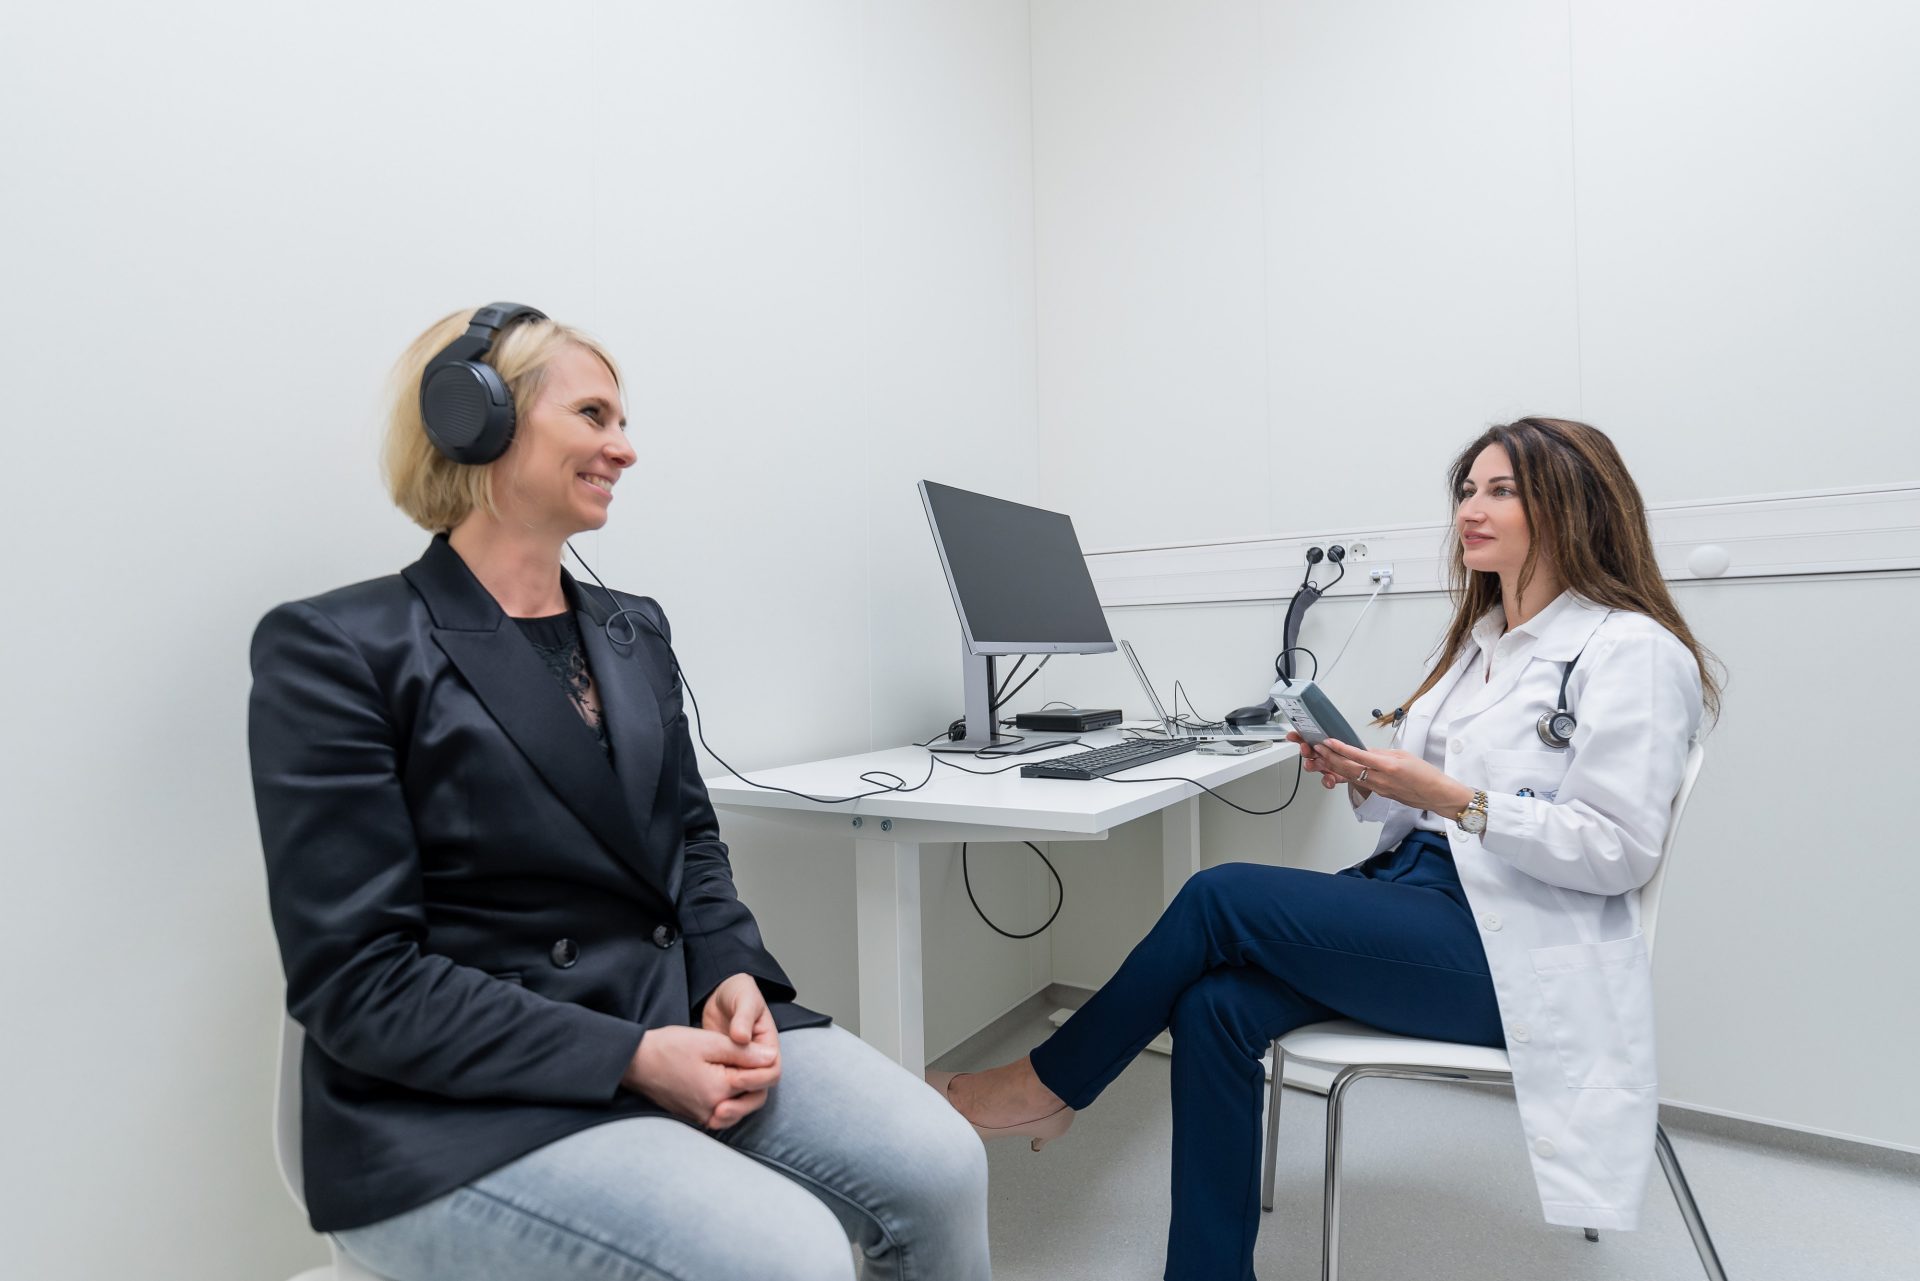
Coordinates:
[464,402]
[1556,727]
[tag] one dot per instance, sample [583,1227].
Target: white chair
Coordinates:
[1358,1051]
[286,1152]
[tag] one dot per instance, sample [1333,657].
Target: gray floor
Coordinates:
[1436,1188]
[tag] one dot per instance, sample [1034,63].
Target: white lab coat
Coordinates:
[1554,881]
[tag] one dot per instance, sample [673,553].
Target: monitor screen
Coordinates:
[1018,578]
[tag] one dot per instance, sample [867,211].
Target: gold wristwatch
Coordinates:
[1473,819]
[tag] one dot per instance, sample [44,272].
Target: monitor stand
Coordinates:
[982,734]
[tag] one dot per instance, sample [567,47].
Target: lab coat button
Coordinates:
[1544,1147]
[565,953]
[1457,746]
[1520,1033]
[1490,922]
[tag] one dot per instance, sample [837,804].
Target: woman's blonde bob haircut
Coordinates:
[432,489]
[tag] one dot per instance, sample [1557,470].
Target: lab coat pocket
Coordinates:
[1539,772]
[1598,999]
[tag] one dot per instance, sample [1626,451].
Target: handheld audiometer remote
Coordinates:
[1306,707]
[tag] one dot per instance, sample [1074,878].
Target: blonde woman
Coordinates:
[544,1037]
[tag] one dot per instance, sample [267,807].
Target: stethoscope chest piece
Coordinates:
[1556,727]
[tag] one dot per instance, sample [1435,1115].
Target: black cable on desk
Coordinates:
[987,754]
[874,776]
[1299,769]
[1179,694]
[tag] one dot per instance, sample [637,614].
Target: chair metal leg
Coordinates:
[1330,1211]
[1336,1098]
[1690,1212]
[1270,1156]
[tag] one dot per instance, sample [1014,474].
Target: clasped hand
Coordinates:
[1396,775]
[719,1072]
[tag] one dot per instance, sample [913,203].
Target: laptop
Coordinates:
[1174,729]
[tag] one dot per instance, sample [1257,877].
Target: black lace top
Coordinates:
[557,640]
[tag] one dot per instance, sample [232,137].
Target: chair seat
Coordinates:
[1344,1043]
[343,1268]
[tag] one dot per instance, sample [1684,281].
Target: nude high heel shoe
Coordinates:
[1041,1130]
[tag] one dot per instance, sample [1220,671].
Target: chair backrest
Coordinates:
[286,1110]
[1650,892]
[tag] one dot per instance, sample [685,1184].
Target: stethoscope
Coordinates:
[1555,727]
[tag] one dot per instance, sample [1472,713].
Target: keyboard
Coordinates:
[1103,761]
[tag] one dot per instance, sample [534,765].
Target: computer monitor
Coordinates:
[1020,586]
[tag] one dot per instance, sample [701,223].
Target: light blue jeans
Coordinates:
[847,1148]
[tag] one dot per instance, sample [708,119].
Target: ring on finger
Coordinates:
[1363,775]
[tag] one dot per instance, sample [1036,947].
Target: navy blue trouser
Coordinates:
[1243,954]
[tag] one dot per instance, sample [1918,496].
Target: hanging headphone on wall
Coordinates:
[464,403]
[1556,727]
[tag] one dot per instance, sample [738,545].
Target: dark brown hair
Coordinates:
[1585,515]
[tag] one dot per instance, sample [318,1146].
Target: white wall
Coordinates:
[806,230]
[1281,240]
[1690,223]
[1124,261]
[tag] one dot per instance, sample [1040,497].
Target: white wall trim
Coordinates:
[1771,1123]
[1870,529]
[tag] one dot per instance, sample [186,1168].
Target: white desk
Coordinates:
[888,830]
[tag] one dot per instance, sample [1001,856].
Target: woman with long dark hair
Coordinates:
[1501,904]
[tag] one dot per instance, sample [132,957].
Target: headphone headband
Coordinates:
[496,316]
[464,403]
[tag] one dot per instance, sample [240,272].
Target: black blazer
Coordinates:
[478,917]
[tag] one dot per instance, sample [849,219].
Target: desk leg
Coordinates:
[887,905]
[1179,859]
[1179,845]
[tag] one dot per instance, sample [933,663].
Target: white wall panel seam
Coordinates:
[1815,532]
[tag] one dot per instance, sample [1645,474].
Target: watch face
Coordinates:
[1473,822]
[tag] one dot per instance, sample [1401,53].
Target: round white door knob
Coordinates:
[1709,560]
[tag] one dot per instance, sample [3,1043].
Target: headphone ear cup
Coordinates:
[467,411]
